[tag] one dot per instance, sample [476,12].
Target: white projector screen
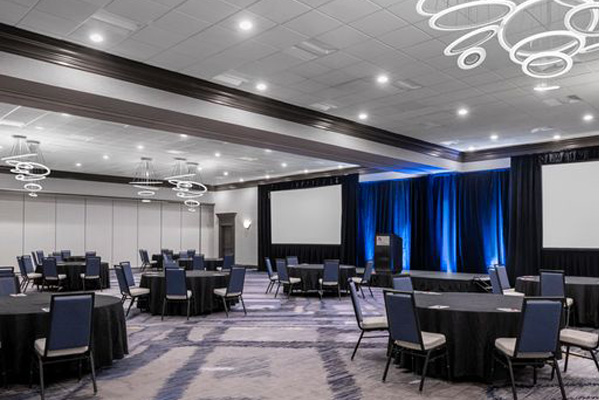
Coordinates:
[307,216]
[570,205]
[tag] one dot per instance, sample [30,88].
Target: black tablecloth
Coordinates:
[210,264]
[310,274]
[22,320]
[471,323]
[436,281]
[73,270]
[201,283]
[583,291]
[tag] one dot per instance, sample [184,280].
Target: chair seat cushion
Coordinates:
[327,283]
[512,292]
[83,276]
[507,346]
[222,292]
[137,292]
[357,279]
[372,323]
[34,275]
[40,348]
[180,297]
[274,277]
[579,338]
[430,341]
[292,280]
[60,277]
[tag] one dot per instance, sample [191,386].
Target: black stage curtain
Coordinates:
[525,253]
[346,252]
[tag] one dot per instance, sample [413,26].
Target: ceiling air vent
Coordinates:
[574,98]
[407,84]
[323,106]
[315,47]
[230,79]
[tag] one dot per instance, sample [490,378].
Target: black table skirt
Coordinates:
[430,281]
[210,264]
[583,291]
[22,321]
[201,283]
[471,325]
[311,273]
[73,270]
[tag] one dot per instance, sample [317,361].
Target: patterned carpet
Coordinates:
[283,349]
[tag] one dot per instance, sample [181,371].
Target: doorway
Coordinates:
[226,234]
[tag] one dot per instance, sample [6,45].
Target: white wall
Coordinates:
[115,228]
[243,202]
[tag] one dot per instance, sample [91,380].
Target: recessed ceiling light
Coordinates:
[306,171]
[362,116]
[78,164]
[225,173]
[588,117]
[340,166]
[267,176]
[96,38]
[462,112]
[105,157]
[217,154]
[241,179]
[284,164]
[246,25]
[383,78]
[65,115]
[268,151]
[199,168]
[261,86]
[494,136]
[140,147]
[183,135]
[556,137]
[146,200]
[471,148]
[39,128]
[542,87]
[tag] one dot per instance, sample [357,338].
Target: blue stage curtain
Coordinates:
[384,207]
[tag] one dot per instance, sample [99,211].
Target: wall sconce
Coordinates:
[247,223]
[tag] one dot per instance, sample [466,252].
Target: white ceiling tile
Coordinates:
[242,3]
[11,13]
[158,37]
[207,10]
[314,3]
[260,24]
[310,70]
[279,11]
[339,59]
[136,50]
[180,23]
[198,47]
[343,37]
[47,23]
[425,50]
[349,10]
[142,11]
[172,60]
[368,50]
[378,23]
[312,23]
[406,10]
[404,37]
[280,37]
[112,34]
[170,3]
[74,10]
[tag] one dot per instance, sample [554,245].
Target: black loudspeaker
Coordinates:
[388,253]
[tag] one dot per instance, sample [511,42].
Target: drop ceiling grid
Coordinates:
[200,38]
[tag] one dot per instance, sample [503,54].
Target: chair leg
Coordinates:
[339,292]
[567,358]
[225,305]
[268,287]
[162,316]
[448,364]
[534,375]
[357,344]
[559,377]
[189,304]
[130,305]
[79,369]
[320,292]
[290,290]
[93,372]
[277,290]
[424,371]
[83,282]
[594,358]
[243,305]
[512,378]
[361,291]
[41,367]
[387,367]
[370,291]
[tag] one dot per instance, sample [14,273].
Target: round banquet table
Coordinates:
[583,290]
[22,320]
[471,323]
[311,273]
[201,283]
[435,281]
[73,271]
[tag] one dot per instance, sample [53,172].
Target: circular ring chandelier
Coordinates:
[183,179]
[27,163]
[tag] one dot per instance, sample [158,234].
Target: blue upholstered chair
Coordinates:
[331,277]
[92,271]
[34,257]
[27,271]
[183,255]
[176,289]
[50,274]
[198,262]
[495,280]
[8,284]
[406,335]
[234,289]
[283,277]
[227,262]
[170,264]
[145,259]
[64,254]
[127,285]
[587,341]
[191,253]
[57,256]
[505,283]
[167,257]
[272,275]
[69,335]
[537,342]
[90,253]
[291,260]
[365,280]
[365,324]
[7,271]
[552,284]
[402,283]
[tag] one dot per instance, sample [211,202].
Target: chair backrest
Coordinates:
[28,264]
[167,257]
[170,265]
[236,281]
[21,264]
[191,253]
[175,284]
[90,254]
[503,276]
[7,271]
[355,302]
[65,254]
[122,280]
[368,271]
[540,326]
[128,273]
[552,283]
[49,269]
[8,285]
[143,256]
[198,262]
[71,318]
[57,255]
[92,266]
[402,318]
[403,283]
[35,259]
[291,260]
[40,257]
[282,271]
[227,261]
[183,254]
[269,267]
[331,271]
[495,280]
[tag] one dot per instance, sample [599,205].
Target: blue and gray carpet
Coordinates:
[283,349]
